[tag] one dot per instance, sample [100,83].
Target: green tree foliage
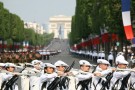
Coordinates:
[91,15]
[12,30]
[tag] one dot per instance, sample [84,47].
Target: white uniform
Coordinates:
[84,78]
[7,77]
[34,81]
[99,55]
[64,85]
[97,81]
[1,78]
[102,55]
[48,78]
[110,59]
[24,81]
[72,83]
[118,75]
[132,80]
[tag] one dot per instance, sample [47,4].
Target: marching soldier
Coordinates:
[48,78]
[102,70]
[84,77]
[34,80]
[60,67]
[120,79]
[64,76]
[9,80]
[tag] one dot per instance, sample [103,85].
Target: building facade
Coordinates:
[35,26]
[60,25]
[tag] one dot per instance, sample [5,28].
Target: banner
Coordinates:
[96,41]
[114,37]
[105,37]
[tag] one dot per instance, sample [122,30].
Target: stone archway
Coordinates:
[60,26]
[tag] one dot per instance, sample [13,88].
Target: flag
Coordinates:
[127,18]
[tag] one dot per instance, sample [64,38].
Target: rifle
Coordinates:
[10,83]
[69,68]
[94,69]
[54,84]
[124,82]
[63,81]
[107,82]
[84,84]
[57,80]
[44,85]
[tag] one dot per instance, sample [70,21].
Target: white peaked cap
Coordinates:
[35,62]
[122,62]
[103,61]
[84,62]
[2,64]
[10,65]
[49,65]
[119,58]
[60,63]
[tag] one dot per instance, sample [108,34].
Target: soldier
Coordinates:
[102,70]
[84,77]
[94,55]
[30,57]
[99,55]
[111,58]
[61,67]
[47,79]
[34,80]
[23,57]
[102,55]
[9,80]
[119,80]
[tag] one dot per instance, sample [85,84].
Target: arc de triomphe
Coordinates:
[60,25]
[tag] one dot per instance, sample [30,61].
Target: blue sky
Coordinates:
[40,10]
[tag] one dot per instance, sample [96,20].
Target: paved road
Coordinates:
[64,55]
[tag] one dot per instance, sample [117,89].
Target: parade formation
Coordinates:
[36,75]
[99,38]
